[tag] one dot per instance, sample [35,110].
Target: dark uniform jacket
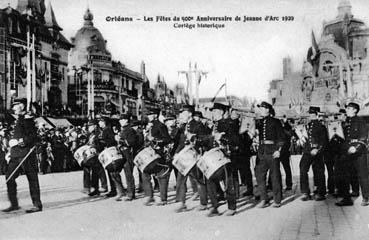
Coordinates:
[356,134]
[160,133]
[271,129]
[288,133]
[24,128]
[200,135]
[129,139]
[317,136]
[106,139]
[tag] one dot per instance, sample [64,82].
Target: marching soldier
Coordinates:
[158,135]
[221,131]
[93,168]
[285,152]
[106,139]
[192,132]
[313,153]
[22,145]
[353,157]
[332,153]
[271,140]
[128,144]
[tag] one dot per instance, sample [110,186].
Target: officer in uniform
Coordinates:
[271,141]
[353,156]
[22,144]
[158,137]
[128,144]
[313,153]
[221,130]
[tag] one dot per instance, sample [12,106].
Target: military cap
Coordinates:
[314,110]
[220,106]
[198,114]
[189,108]
[92,122]
[135,123]
[154,111]
[170,117]
[265,105]
[20,101]
[354,105]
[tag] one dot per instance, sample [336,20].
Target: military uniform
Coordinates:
[159,133]
[271,139]
[93,170]
[128,145]
[286,154]
[356,134]
[213,187]
[24,129]
[317,139]
[198,130]
[105,140]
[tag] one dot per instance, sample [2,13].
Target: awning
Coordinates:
[45,122]
[62,122]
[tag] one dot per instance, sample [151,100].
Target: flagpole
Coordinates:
[28,87]
[33,69]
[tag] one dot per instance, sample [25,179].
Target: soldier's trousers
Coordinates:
[114,170]
[264,163]
[317,163]
[329,160]
[201,188]
[163,185]
[30,169]
[345,167]
[285,160]
[128,172]
[245,173]
[229,185]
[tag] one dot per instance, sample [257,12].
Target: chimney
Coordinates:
[143,71]
[286,67]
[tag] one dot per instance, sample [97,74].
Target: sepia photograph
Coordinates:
[184,119]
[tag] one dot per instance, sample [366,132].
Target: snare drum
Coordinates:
[211,163]
[109,156]
[146,159]
[185,160]
[84,154]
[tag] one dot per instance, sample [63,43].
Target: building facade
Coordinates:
[48,56]
[116,88]
[338,74]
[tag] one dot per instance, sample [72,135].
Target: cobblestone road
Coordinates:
[69,214]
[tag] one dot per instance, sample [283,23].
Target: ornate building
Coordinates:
[116,88]
[49,67]
[339,72]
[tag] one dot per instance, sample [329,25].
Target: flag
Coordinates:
[313,55]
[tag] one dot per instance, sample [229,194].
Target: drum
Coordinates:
[146,159]
[211,163]
[84,154]
[185,160]
[109,156]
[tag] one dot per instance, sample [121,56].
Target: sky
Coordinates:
[248,54]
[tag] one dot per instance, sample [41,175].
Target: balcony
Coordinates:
[98,86]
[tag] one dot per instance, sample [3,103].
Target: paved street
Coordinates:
[69,214]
